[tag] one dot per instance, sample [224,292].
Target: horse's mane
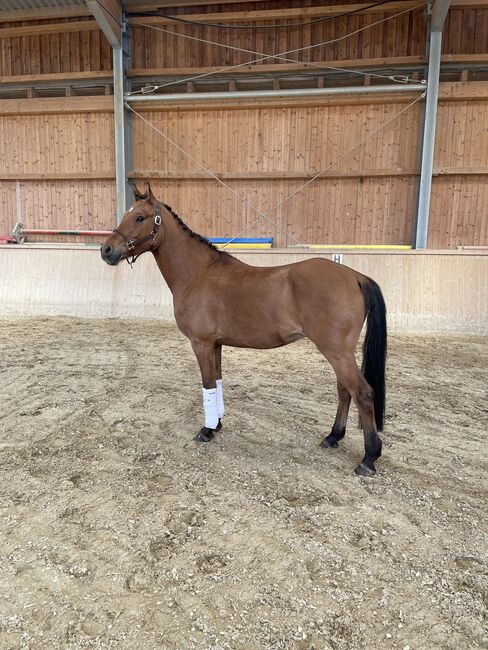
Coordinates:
[190,232]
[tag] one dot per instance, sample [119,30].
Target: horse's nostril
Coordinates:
[107,249]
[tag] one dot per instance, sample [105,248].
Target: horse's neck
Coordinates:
[180,257]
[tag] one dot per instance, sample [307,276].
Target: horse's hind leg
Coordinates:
[352,379]
[339,428]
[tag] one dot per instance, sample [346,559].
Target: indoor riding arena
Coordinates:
[337,140]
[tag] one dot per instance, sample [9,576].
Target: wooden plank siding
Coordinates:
[57,158]
[57,167]
[48,53]
[299,139]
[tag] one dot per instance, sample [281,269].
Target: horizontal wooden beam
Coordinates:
[269,175]
[461,90]
[469,4]
[43,13]
[363,64]
[460,171]
[135,6]
[464,58]
[299,175]
[50,28]
[62,77]
[54,176]
[243,176]
[298,13]
[39,105]
[281,67]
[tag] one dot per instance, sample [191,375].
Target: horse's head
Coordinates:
[137,233]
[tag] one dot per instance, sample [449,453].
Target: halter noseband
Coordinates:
[131,244]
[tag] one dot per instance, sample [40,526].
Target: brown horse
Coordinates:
[219,300]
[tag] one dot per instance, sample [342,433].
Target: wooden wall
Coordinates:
[80,51]
[57,160]
[57,167]
[459,203]
[445,292]
[368,197]
[465,33]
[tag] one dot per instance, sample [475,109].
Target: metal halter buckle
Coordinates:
[157,220]
[130,245]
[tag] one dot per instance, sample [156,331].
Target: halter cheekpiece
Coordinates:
[132,244]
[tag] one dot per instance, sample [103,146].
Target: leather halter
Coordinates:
[132,244]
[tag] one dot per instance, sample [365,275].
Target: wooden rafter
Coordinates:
[53,77]
[278,14]
[52,28]
[45,13]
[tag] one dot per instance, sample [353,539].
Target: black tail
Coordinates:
[374,349]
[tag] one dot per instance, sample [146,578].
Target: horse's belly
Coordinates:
[263,328]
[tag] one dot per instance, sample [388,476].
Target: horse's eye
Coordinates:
[140,218]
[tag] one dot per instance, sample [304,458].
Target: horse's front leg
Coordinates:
[205,353]
[220,392]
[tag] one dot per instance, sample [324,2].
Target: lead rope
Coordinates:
[265,215]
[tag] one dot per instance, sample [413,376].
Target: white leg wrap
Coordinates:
[210,407]
[220,399]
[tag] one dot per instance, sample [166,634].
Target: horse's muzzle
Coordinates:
[110,255]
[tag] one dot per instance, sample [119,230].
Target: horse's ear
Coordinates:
[149,191]
[137,195]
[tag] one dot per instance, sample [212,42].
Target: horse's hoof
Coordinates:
[329,442]
[362,470]
[205,435]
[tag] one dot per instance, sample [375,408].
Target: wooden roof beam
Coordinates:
[299,13]
[44,13]
[53,28]
[108,15]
